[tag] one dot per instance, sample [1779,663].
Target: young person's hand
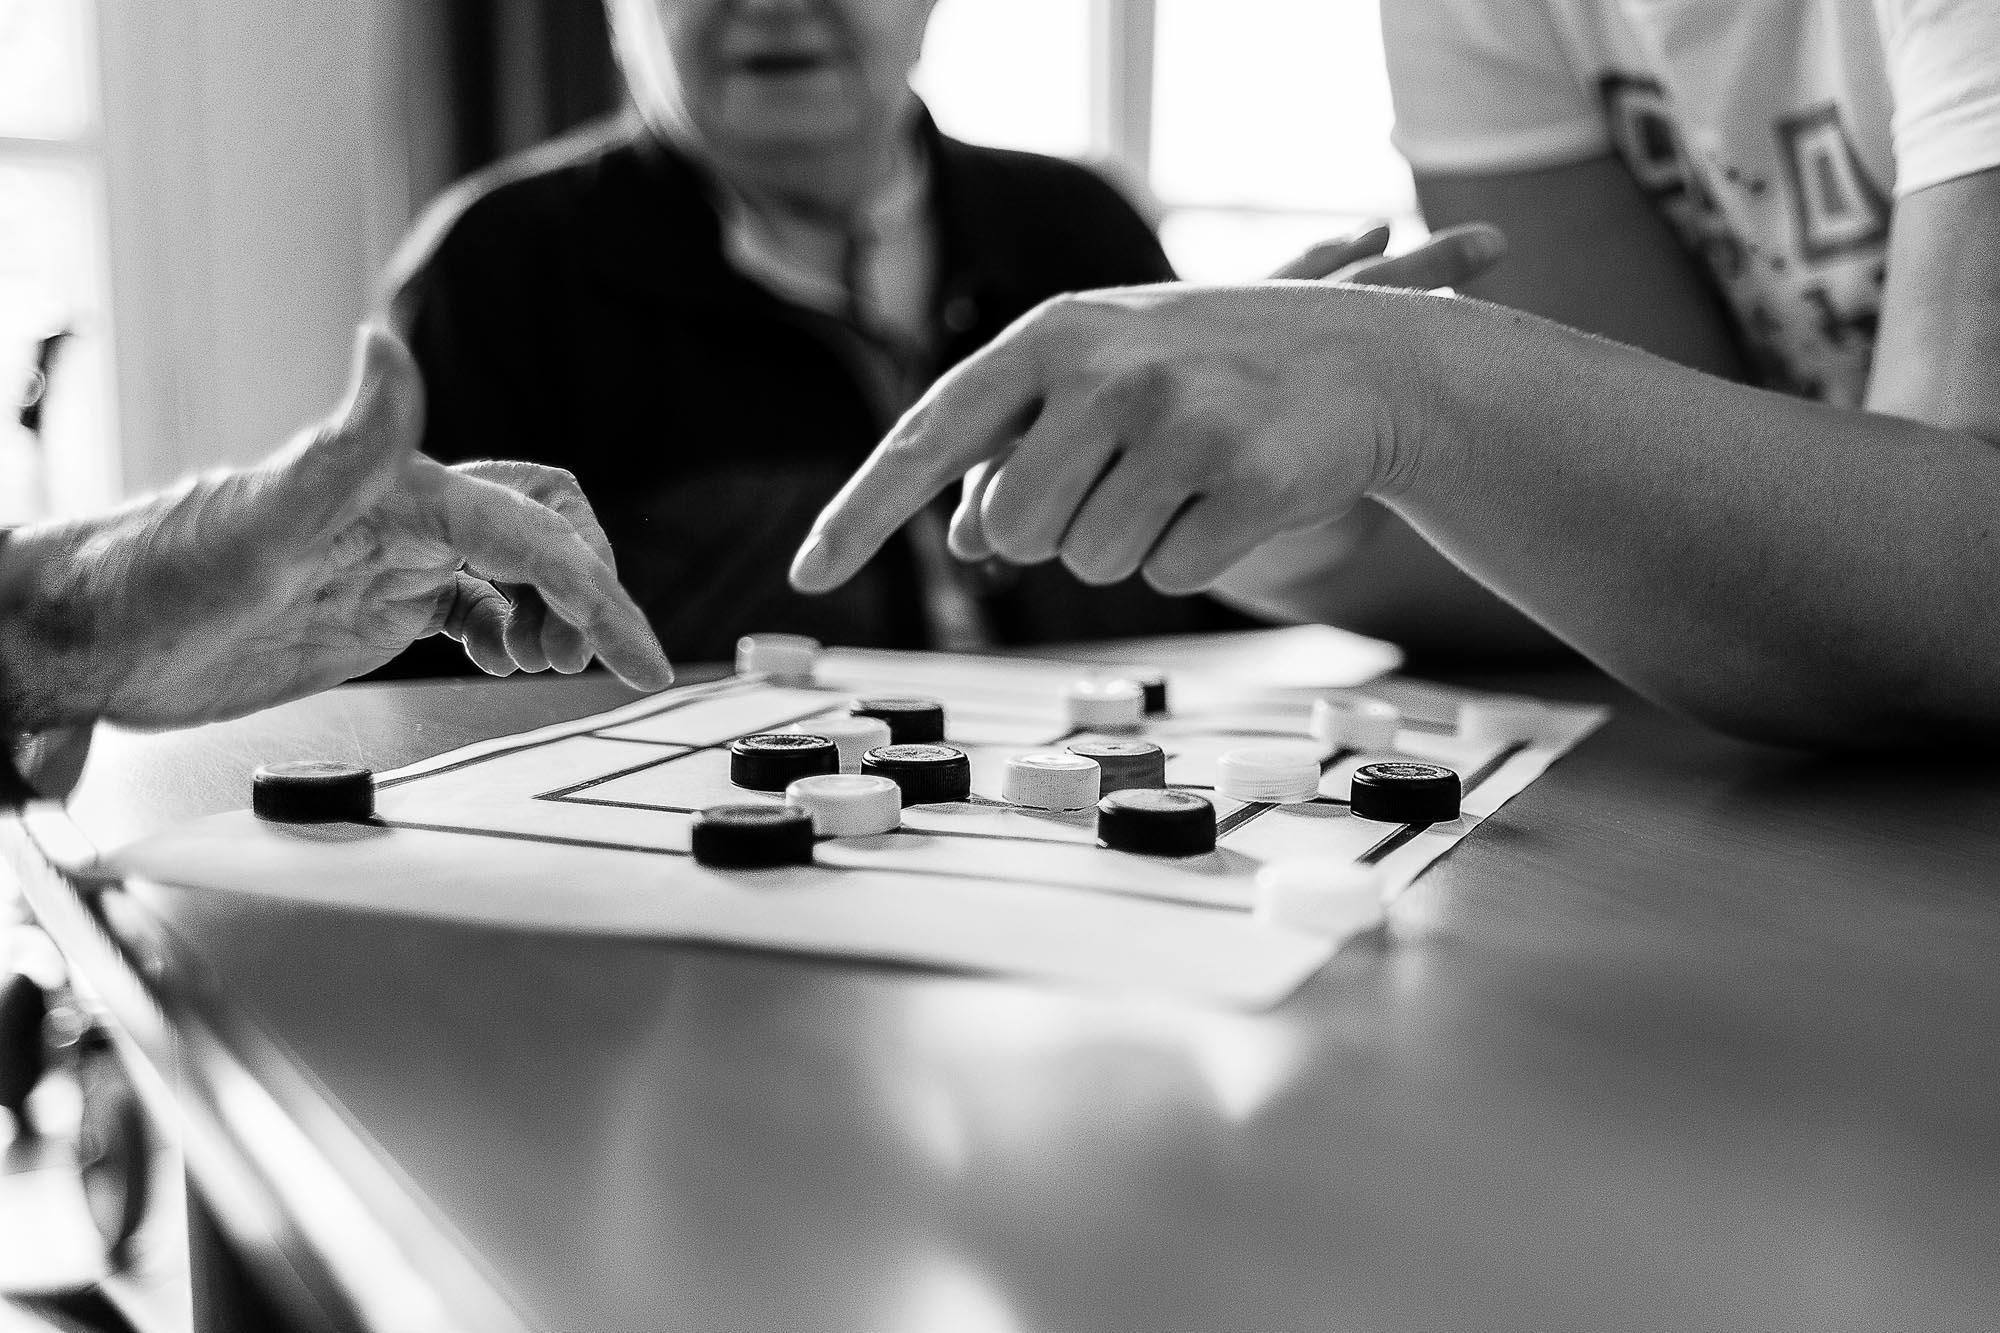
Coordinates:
[1448,258]
[1107,468]
[1170,429]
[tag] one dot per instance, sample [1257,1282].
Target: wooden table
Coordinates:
[1692,1035]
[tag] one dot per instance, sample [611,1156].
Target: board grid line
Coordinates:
[926,872]
[708,690]
[1230,823]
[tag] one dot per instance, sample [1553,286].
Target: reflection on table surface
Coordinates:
[1690,1035]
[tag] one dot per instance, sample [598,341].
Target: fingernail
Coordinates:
[657,676]
[1374,236]
[810,559]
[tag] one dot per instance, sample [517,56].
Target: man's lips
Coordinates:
[777,64]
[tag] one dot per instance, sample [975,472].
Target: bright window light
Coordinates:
[1011,73]
[1269,119]
[1280,104]
[45,69]
[53,258]
[51,280]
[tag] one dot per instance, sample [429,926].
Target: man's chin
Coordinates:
[790,109]
[782,152]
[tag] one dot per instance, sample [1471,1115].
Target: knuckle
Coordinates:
[1173,572]
[562,484]
[1143,393]
[1012,536]
[1055,309]
[1097,567]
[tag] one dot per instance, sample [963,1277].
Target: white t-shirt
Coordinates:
[1773,134]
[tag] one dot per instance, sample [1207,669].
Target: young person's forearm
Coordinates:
[1774,566]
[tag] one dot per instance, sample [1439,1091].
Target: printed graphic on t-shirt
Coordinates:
[1799,255]
[1838,208]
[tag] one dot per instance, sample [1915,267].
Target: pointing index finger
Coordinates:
[506,537]
[971,415]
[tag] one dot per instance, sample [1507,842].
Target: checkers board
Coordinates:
[585,826]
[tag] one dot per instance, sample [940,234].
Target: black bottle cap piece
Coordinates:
[1152,684]
[912,721]
[1158,821]
[313,791]
[747,837]
[926,773]
[1125,764]
[775,760]
[24,1010]
[1401,792]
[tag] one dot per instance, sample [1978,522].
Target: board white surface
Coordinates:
[585,826]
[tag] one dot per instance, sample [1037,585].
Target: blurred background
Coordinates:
[198,197]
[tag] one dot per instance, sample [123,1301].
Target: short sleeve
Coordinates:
[1944,73]
[1484,86]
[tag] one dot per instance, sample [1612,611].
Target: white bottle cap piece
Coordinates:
[847,805]
[1106,704]
[787,659]
[1328,898]
[1051,780]
[1278,774]
[1500,722]
[852,735]
[1355,722]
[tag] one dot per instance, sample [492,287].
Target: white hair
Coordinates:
[641,47]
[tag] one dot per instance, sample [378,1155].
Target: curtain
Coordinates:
[518,72]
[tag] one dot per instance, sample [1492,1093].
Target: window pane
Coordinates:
[45,83]
[51,280]
[1011,73]
[1275,103]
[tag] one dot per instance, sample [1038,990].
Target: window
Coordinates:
[1257,126]
[52,264]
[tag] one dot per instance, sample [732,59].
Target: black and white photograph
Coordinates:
[999,666]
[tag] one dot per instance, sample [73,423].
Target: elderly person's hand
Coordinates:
[249,588]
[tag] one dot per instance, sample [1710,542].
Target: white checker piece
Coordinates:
[1051,780]
[584,826]
[847,805]
[787,659]
[852,735]
[1110,703]
[1321,897]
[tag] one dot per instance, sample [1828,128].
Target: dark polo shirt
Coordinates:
[574,307]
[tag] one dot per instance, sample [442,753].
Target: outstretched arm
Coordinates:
[1586,248]
[1782,569]
[249,588]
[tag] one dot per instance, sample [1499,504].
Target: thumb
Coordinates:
[358,454]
